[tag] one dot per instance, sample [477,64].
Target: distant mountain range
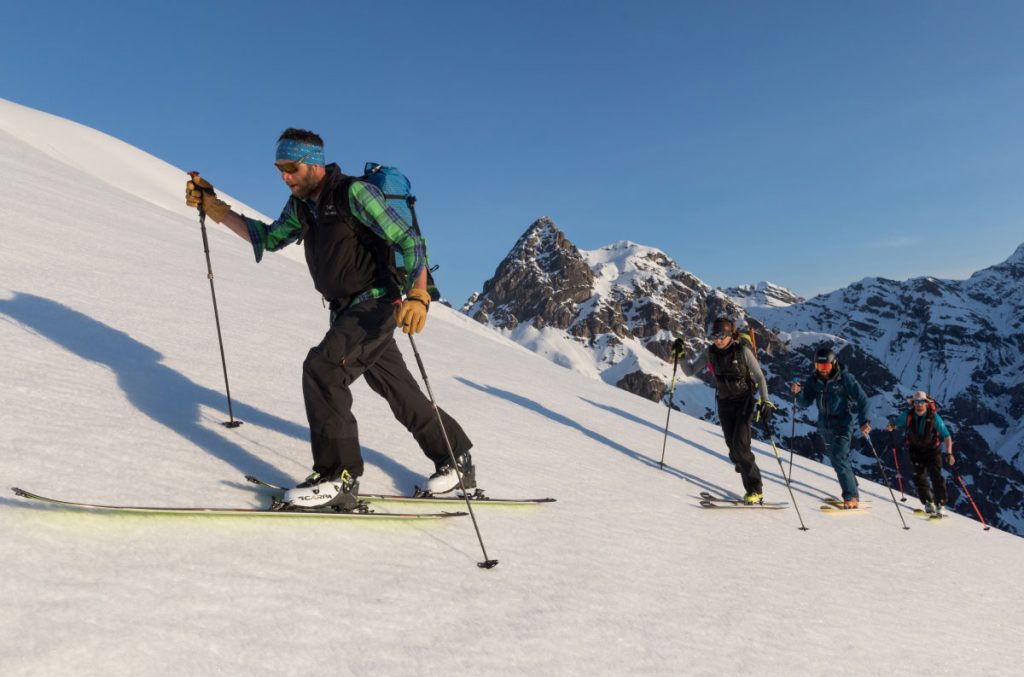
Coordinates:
[612,313]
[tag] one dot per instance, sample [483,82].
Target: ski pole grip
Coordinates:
[202,212]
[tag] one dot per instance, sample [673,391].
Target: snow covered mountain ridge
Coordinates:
[762,294]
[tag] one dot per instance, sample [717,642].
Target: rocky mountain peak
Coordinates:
[624,304]
[541,280]
[762,294]
[1017,258]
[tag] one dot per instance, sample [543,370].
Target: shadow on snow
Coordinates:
[163,394]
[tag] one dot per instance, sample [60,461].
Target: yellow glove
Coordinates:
[200,194]
[412,314]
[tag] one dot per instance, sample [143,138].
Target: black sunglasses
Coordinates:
[291,166]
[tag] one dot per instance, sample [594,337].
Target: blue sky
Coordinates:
[807,143]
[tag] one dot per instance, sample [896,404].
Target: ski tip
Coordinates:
[17,491]
[252,478]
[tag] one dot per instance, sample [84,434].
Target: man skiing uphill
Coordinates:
[349,233]
[926,434]
[736,374]
[831,387]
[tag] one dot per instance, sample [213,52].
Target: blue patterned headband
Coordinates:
[290,150]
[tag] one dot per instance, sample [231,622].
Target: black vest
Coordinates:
[345,258]
[928,439]
[732,377]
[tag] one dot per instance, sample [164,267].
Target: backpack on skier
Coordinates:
[931,432]
[397,190]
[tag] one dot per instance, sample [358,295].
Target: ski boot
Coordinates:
[446,479]
[318,491]
[753,498]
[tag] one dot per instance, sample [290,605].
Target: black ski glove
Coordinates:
[678,349]
[765,409]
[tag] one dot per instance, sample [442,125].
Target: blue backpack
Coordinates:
[397,191]
[396,188]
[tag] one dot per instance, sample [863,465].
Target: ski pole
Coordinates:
[792,432]
[886,478]
[487,563]
[896,462]
[232,423]
[671,392]
[973,504]
[771,438]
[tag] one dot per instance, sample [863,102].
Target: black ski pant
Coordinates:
[736,416]
[928,466]
[361,342]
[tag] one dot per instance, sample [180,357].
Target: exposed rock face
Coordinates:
[614,312]
[611,312]
[542,280]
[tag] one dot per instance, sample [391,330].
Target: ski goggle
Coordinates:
[719,335]
[922,402]
[290,166]
[823,366]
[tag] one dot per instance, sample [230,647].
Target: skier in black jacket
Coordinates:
[349,233]
[737,375]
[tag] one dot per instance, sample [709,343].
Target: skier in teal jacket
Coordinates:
[831,388]
[926,434]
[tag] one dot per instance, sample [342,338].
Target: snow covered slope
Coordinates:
[113,392]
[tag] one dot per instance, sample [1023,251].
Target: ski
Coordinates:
[836,509]
[477,496]
[740,505]
[262,512]
[838,502]
[711,501]
[931,517]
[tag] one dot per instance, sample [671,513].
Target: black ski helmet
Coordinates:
[824,355]
[723,324]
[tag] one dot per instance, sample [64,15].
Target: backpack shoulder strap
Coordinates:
[846,388]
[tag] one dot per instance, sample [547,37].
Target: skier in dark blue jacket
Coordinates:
[831,387]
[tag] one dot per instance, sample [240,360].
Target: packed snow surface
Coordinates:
[113,392]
